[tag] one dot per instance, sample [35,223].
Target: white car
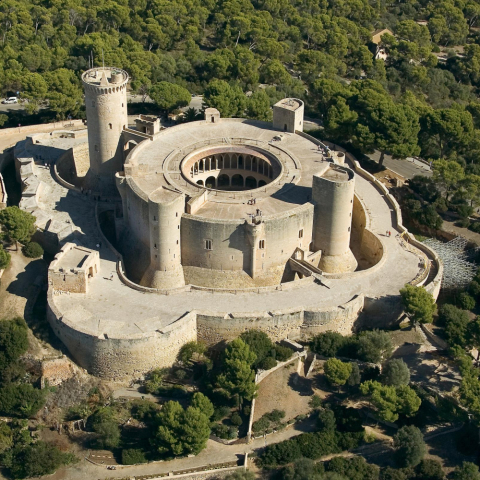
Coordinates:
[10,100]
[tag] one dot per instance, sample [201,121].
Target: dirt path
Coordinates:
[19,289]
[286,389]
[18,283]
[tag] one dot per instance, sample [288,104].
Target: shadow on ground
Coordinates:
[301,385]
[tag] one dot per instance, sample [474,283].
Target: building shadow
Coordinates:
[301,385]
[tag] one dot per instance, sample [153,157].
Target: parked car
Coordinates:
[10,100]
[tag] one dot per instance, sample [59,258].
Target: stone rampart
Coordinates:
[291,323]
[121,356]
[46,127]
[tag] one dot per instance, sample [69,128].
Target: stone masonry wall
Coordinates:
[123,357]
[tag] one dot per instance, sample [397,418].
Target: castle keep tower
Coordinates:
[332,223]
[106,106]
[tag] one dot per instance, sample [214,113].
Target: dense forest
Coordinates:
[421,99]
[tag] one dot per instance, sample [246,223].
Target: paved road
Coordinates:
[406,168]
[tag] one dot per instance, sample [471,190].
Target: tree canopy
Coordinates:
[409,446]
[181,431]
[169,96]
[238,379]
[337,372]
[17,225]
[13,341]
[418,303]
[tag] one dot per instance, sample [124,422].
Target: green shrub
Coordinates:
[315,401]
[132,456]
[353,468]
[13,341]
[267,363]
[275,416]
[236,419]
[464,210]
[232,433]
[463,223]
[474,288]
[467,302]
[219,413]
[154,380]
[409,446]
[21,400]
[105,425]
[309,445]
[282,353]
[261,425]
[475,227]
[180,374]
[220,430]
[35,460]
[32,250]
[247,409]
[259,343]
[4,258]
[328,344]
[429,469]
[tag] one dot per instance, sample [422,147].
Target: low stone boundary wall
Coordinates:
[3,194]
[262,375]
[212,470]
[41,128]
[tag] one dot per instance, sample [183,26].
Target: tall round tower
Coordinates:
[165,209]
[332,193]
[106,106]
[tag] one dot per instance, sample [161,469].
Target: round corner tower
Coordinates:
[106,107]
[333,193]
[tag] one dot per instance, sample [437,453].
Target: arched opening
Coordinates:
[223,181]
[210,182]
[285,128]
[220,162]
[261,183]
[237,181]
[200,166]
[110,126]
[200,182]
[240,161]
[250,183]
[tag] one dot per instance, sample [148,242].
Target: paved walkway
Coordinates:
[214,453]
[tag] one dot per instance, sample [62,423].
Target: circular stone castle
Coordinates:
[207,229]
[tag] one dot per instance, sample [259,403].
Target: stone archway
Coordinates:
[223,181]
[250,183]
[210,182]
[237,181]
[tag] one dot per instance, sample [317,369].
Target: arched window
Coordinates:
[110,126]
[261,244]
